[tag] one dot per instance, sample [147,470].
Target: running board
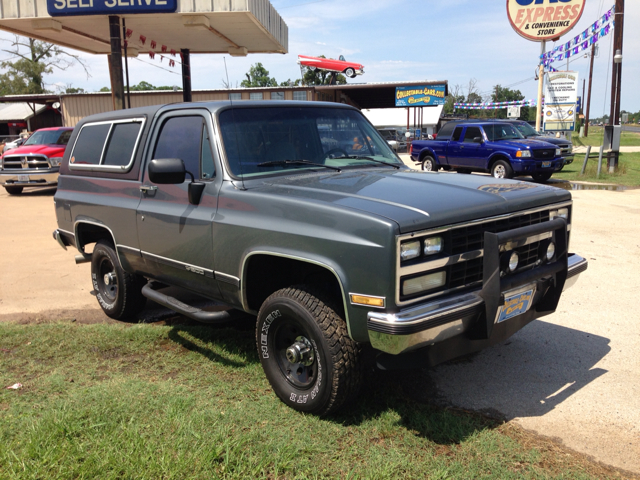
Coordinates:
[149,291]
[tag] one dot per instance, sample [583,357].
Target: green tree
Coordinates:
[105,89]
[258,76]
[504,94]
[30,61]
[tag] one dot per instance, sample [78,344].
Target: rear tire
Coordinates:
[501,169]
[13,190]
[429,164]
[328,371]
[541,177]
[119,293]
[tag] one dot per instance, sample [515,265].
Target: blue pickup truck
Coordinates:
[490,146]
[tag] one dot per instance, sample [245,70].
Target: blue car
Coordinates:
[487,146]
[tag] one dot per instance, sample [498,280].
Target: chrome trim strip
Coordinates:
[243,283]
[58,238]
[402,271]
[384,300]
[226,278]
[534,238]
[135,251]
[178,264]
[441,262]
[108,168]
[67,232]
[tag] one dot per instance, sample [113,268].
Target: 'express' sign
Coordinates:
[539,20]
[65,8]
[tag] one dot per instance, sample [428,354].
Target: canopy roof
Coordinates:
[17,111]
[237,27]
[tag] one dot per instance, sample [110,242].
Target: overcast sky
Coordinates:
[404,40]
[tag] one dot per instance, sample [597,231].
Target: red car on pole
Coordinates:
[350,69]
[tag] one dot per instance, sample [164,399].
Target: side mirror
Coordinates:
[478,139]
[166,171]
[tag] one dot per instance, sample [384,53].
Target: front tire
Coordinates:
[307,355]
[541,177]
[501,169]
[428,164]
[350,72]
[13,190]
[119,293]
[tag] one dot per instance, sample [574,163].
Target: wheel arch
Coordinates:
[90,231]
[498,156]
[265,272]
[427,151]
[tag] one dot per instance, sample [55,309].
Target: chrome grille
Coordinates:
[34,162]
[471,238]
[544,153]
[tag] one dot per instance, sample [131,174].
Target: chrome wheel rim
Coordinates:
[499,171]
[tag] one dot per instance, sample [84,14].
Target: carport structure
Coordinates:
[121,27]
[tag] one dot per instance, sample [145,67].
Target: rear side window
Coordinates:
[456,134]
[106,145]
[446,130]
[471,133]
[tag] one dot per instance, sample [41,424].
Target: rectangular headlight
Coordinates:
[558,152]
[523,154]
[409,250]
[423,283]
[432,245]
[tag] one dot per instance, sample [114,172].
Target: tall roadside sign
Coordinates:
[561,101]
[542,20]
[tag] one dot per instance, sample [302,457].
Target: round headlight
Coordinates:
[551,251]
[513,262]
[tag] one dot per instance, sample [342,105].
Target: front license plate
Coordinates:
[546,164]
[515,305]
[23,178]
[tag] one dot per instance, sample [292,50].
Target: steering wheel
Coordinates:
[335,150]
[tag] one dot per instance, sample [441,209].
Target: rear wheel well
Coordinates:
[266,274]
[88,233]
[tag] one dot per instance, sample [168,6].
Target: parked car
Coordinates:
[394,138]
[14,144]
[491,146]
[350,69]
[37,162]
[564,144]
[333,252]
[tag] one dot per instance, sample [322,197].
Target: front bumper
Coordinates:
[472,316]
[29,178]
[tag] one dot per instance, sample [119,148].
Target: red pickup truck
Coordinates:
[37,162]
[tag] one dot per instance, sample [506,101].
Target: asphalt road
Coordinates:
[631,128]
[573,376]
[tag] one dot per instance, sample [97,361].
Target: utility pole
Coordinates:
[586,119]
[540,84]
[614,117]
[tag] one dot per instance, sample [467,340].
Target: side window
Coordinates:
[180,137]
[456,134]
[207,163]
[88,147]
[121,143]
[471,133]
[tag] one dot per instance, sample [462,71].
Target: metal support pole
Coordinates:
[586,158]
[540,84]
[115,63]
[600,161]
[126,62]
[186,75]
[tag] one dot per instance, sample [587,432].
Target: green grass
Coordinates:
[596,136]
[628,172]
[149,402]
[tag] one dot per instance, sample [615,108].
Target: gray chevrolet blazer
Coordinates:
[300,213]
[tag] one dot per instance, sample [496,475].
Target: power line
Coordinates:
[157,66]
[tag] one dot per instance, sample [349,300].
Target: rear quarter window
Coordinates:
[106,146]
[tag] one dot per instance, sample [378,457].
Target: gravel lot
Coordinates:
[573,376]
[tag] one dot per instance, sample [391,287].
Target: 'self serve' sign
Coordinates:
[64,8]
[539,20]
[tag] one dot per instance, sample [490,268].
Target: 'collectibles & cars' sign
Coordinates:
[428,95]
[66,8]
[540,20]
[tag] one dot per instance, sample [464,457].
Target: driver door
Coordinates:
[176,237]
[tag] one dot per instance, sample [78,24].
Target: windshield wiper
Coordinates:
[276,163]
[364,157]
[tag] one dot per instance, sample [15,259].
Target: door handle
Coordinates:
[148,188]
